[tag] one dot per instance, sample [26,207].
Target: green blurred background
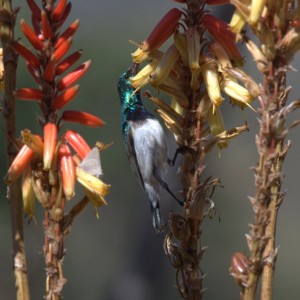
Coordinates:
[119,257]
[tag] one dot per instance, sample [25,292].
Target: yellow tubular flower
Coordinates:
[237,23]
[193,45]
[258,56]
[220,54]
[143,76]
[176,106]
[33,141]
[139,55]
[211,79]
[28,194]
[165,66]
[238,93]
[216,124]
[203,107]
[92,183]
[266,38]
[181,45]
[257,7]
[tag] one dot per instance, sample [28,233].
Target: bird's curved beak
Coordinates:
[133,70]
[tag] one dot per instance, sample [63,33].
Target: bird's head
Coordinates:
[124,85]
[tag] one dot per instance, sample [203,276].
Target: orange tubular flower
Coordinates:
[50,137]
[163,30]
[59,10]
[27,55]
[68,171]
[62,49]
[223,35]
[46,27]
[34,8]
[28,94]
[50,69]
[77,143]
[65,97]
[31,36]
[19,165]
[82,118]
[72,77]
[68,62]
[69,32]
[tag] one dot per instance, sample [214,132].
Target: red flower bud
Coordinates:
[27,55]
[77,143]
[162,31]
[50,69]
[72,77]
[68,172]
[34,8]
[28,94]
[65,14]
[81,118]
[46,27]
[62,49]
[65,97]
[50,137]
[59,10]
[31,36]
[19,165]
[68,62]
[69,32]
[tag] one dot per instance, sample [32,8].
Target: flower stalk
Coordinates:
[271,22]
[196,77]
[46,162]
[8,110]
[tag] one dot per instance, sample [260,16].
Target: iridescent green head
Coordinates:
[126,91]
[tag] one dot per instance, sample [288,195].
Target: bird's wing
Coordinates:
[129,144]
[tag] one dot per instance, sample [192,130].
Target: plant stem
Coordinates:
[54,254]
[14,191]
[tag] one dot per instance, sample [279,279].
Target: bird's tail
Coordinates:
[158,222]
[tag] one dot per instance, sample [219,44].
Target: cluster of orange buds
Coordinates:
[46,162]
[191,63]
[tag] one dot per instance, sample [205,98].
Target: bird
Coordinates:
[145,144]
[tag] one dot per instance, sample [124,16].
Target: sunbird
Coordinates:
[145,143]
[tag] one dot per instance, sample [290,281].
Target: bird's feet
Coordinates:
[180,150]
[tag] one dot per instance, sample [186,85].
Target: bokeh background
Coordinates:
[119,257]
